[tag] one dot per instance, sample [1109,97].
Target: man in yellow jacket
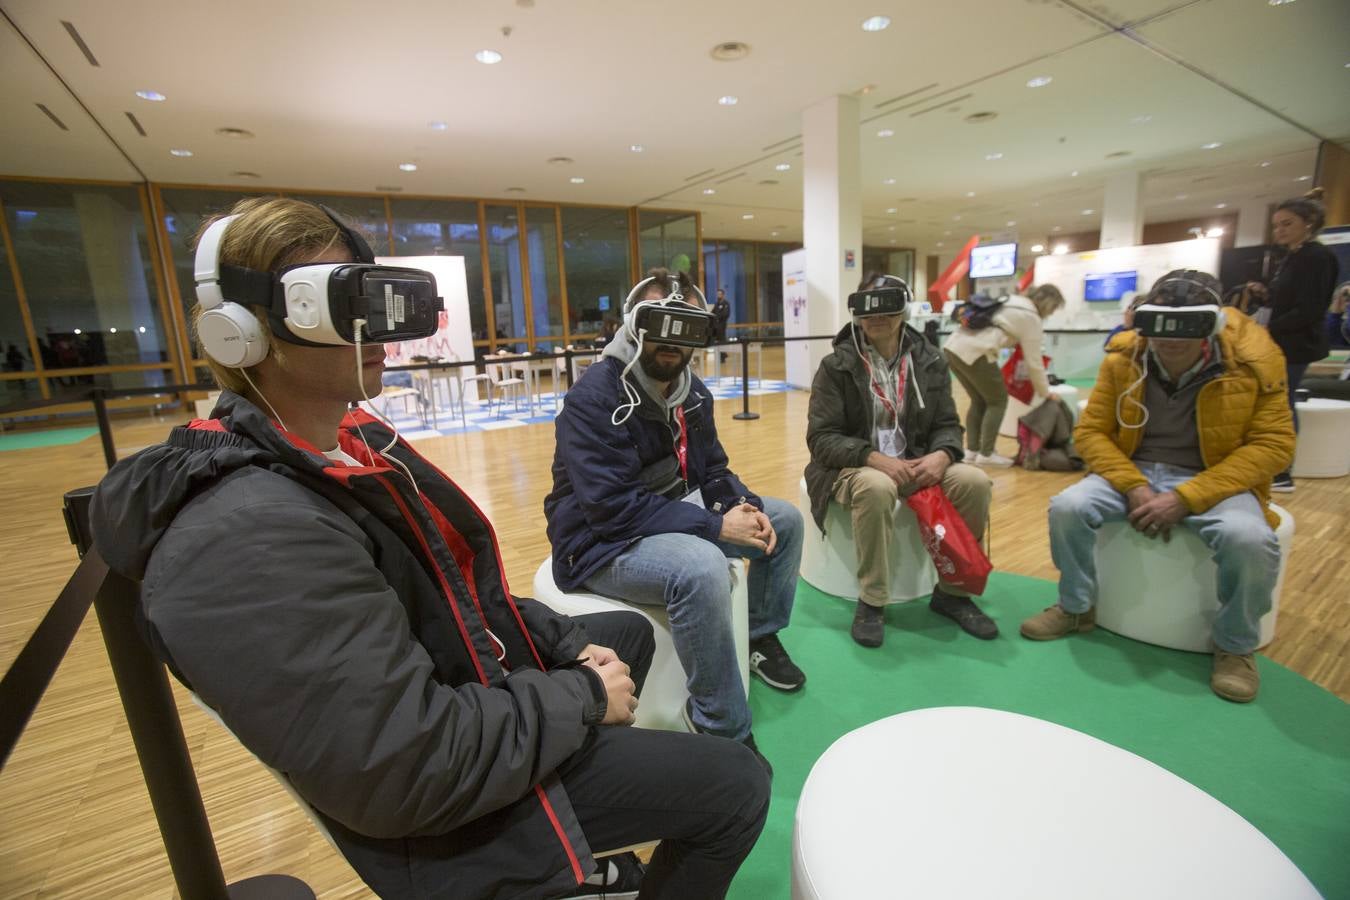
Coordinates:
[1182,432]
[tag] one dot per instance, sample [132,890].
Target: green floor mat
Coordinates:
[1282,762]
[52,437]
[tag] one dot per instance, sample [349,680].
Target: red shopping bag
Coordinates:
[1015,376]
[955,551]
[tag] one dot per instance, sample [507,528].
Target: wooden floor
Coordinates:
[77,821]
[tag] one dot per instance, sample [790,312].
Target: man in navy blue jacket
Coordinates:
[644,508]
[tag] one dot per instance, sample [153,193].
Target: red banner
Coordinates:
[1027,278]
[937,291]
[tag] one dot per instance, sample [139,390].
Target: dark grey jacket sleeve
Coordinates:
[307,655]
[832,443]
[558,638]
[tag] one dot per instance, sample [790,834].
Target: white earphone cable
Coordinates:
[1125,395]
[266,402]
[357,325]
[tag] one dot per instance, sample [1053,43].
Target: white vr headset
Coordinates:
[1172,318]
[668,320]
[311,305]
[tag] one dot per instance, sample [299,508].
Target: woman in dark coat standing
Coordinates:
[1300,293]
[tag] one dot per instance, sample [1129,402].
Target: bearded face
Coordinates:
[662,362]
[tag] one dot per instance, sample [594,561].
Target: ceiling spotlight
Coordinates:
[1011,223]
[1264,165]
[238,134]
[728,100]
[1304,178]
[79,331]
[939,243]
[748,216]
[576,180]
[970,193]
[1141,120]
[1057,228]
[1037,248]
[244,174]
[1214,232]
[890,210]
[1073,174]
[710,191]
[773,234]
[1220,205]
[892,240]
[1039,81]
[890,227]
[783,167]
[730,51]
[1181,196]
[152,96]
[560,160]
[1279,2]
[956,218]
[488,57]
[1212,145]
[636,148]
[876,23]
[408,167]
[180,153]
[112,331]
[888,181]
[437,126]
[141,329]
[885,133]
[1061,249]
[1088,212]
[993,156]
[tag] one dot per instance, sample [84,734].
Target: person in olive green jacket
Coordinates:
[882,424]
[1182,433]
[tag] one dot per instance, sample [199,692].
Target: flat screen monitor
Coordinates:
[993,261]
[1109,287]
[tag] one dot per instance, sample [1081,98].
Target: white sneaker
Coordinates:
[992,459]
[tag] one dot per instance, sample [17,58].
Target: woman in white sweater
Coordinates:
[973,357]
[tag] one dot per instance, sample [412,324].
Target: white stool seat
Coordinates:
[1017,409]
[661,705]
[1323,438]
[1048,812]
[830,562]
[1164,593]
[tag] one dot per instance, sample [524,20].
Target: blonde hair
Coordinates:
[270,233]
[1047,298]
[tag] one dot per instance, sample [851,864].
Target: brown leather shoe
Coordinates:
[1234,676]
[1053,622]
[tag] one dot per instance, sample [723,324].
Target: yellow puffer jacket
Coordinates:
[1242,416]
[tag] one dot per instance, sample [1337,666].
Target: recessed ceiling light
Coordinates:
[1214,232]
[1073,174]
[773,234]
[388,188]
[979,118]
[947,233]
[1181,196]
[152,96]
[238,134]
[112,331]
[783,167]
[1057,228]
[888,181]
[576,180]
[1220,205]
[939,243]
[79,331]
[993,156]
[956,218]
[1117,154]
[970,193]
[1088,212]
[437,126]
[876,23]
[891,210]
[892,240]
[890,227]
[488,57]
[728,100]
[244,174]
[141,329]
[515,190]
[636,148]
[710,190]
[1039,81]
[1212,145]
[1141,120]
[1304,178]
[408,167]
[1010,223]
[1264,165]
[180,153]
[730,51]
[1279,2]
[885,133]
[1061,249]
[1037,248]
[560,160]
[748,216]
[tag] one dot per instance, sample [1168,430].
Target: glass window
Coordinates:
[771,280]
[445,228]
[890,261]
[504,272]
[731,268]
[76,387]
[14,345]
[84,256]
[596,256]
[669,239]
[368,212]
[541,230]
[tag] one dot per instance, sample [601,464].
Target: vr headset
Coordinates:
[313,305]
[668,320]
[888,297]
[1171,312]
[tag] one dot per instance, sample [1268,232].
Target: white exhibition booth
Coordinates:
[454,338]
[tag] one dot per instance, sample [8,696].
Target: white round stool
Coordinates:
[1164,593]
[1323,438]
[1052,814]
[661,705]
[1017,409]
[830,562]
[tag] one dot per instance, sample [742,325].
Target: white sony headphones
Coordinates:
[630,308]
[228,332]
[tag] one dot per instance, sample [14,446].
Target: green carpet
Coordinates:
[1282,762]
[52,437]
[1083,384]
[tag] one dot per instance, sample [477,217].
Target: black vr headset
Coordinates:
[313,304]
[1172,312]
[668,320]
[887,297]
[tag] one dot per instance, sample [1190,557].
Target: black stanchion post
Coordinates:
[745,412]
[100,398]
[568,356]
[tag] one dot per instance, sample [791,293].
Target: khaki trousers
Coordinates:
[870,497]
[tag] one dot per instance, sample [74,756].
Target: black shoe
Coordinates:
[964,612]
[615,877]
[1283,483]
[770,662]
[869,624]
[748,741]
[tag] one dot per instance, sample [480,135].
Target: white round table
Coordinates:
[964,802]
[1323,438]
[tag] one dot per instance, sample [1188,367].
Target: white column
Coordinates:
[1251,225]
[1123,211]
[831,215]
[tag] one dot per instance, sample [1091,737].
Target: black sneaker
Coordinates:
[964,612]
[617,877]
[869,624]
[749,740]
[1283,483]
[771,663]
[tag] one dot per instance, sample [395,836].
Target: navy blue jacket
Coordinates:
[602,474]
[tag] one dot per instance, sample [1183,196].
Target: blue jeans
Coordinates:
[688,576]
[1235,530]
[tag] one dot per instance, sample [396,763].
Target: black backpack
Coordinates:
[978,312]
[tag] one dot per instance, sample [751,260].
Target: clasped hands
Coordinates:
[1152,513]
[620,691]
[912,474]
[746,526]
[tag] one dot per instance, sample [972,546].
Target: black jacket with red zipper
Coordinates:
[363,641]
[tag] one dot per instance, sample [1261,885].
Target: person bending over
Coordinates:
[343,606]
[881,424]
[1181,432]
[645,509]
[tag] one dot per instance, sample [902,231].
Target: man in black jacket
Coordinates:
[881,424]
